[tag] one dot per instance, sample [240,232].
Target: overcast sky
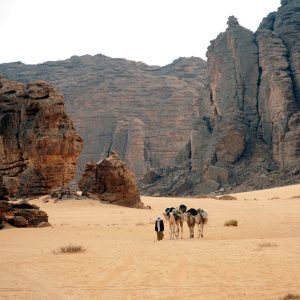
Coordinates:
[153,31]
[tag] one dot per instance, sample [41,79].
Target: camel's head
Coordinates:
[166,215]
[182,208]
[167,212]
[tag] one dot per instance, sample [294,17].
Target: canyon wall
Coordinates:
[143,112]
[246,132]
[193,127]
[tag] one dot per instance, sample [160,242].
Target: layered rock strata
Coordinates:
[124,105]
[278,40]
[39,147]
[249,125]
[112,181]
[193,127]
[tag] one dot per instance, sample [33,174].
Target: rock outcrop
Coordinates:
[192,127]
[39,147]
[124,105]
[112,181]
[278,41]
[246,132]
[22,214]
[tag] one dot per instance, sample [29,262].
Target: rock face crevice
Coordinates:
[39,147]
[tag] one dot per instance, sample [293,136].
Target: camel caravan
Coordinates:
[177,216]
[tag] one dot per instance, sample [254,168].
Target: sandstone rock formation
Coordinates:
[192,127]
[278,40]
[123,105]
[39,147]
[112,181]
[246,132]
[22,214]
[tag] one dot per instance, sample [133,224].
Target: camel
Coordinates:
[179,215]
[169,216]
[199,217]
[172,224]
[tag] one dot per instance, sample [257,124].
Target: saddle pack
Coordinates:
[193,211]
[202,213]
[168,210]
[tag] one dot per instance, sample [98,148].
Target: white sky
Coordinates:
[153,31]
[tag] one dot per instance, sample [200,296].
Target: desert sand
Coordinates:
[259,259]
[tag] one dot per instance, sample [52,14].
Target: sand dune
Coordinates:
[259,259]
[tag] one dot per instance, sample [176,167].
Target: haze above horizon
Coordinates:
[155,32]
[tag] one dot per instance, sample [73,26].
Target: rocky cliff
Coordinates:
[278,40]
[194,127]
[246,133]
[143,112]
[39,147]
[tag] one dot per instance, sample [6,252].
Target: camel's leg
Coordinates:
[202,225]
[191,231]
[199,230]
[170,231]
[173,231]
[177,231]
[181,228]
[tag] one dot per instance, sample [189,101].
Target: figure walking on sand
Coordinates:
[159,228]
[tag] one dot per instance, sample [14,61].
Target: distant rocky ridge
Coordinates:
[193,127]
[143,112]
[39,147]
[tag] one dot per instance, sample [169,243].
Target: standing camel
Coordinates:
[190,218]
[179,215]
[199,217]
[172,224]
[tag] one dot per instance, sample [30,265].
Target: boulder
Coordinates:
[17,221]
[111,181]
[183,188]
[221,175]
[150,177]
[21,214]
[66,193]
[39,146]
[44,224]
[231,146]
[206,187]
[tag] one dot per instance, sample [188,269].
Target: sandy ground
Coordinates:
[259,259]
